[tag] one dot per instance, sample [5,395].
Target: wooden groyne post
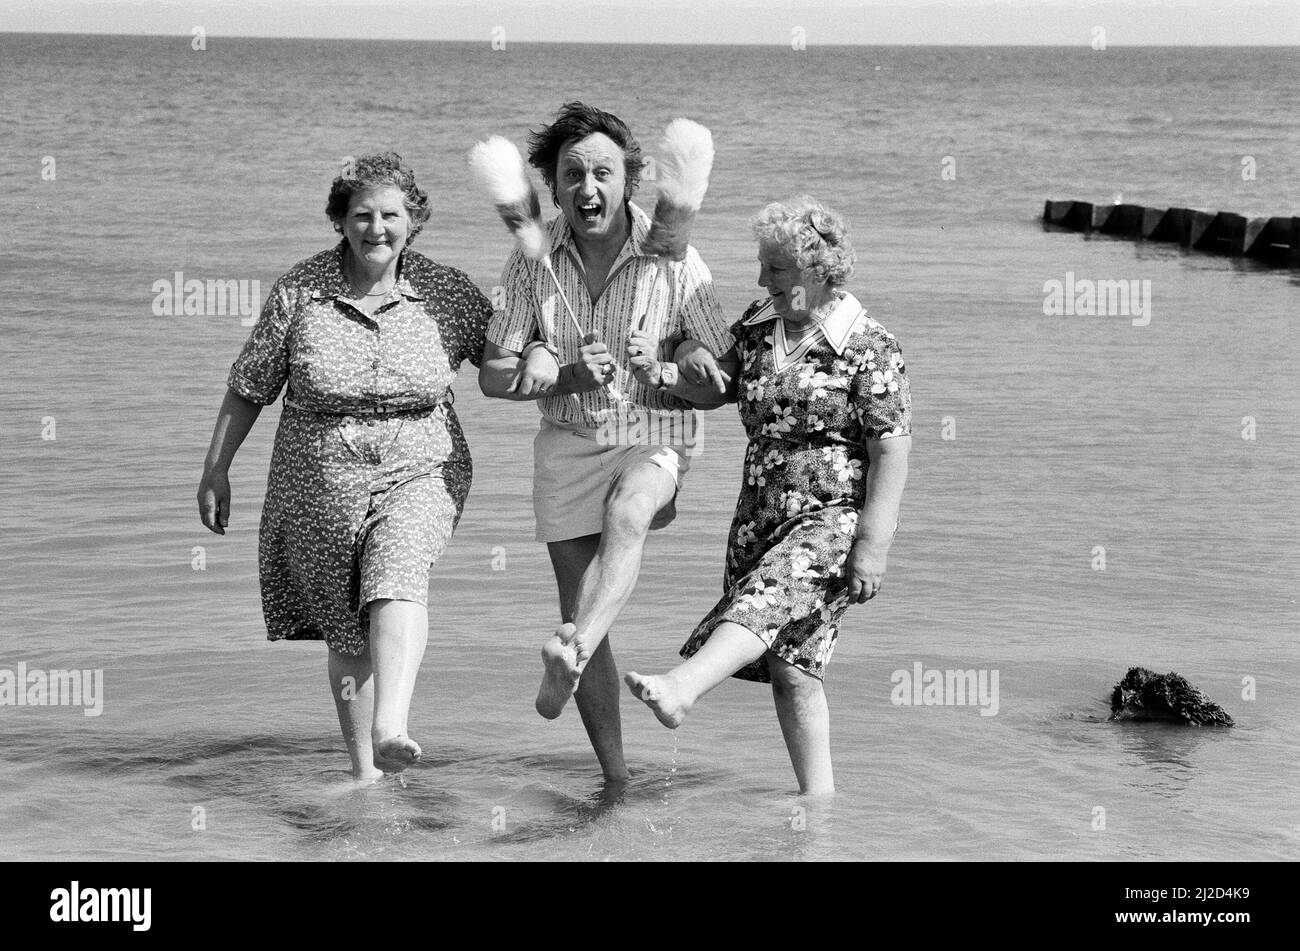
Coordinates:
[1274,241]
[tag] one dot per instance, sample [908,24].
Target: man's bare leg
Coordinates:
[608,582]
[571,559]
[604,584]
[610,563]
[597,698]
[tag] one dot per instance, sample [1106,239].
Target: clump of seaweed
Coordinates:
[1145,695]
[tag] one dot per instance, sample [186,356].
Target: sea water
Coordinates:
[1085,494]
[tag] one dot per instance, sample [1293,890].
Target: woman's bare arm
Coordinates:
[234,420]
[886,476]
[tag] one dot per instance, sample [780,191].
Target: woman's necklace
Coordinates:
[798,336]
[801,331]
[382,293]
[815,321]
[352,284]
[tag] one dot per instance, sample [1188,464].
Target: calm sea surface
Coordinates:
[1072,434]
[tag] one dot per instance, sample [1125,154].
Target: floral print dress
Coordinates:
[370,468]
[809,411]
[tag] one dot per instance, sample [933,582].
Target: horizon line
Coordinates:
[487,42]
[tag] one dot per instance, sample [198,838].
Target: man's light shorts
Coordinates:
[573,472]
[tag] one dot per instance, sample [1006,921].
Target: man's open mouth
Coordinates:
[590,211]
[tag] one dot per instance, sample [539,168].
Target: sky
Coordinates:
[975,22]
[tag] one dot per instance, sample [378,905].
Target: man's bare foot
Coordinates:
[663,694]
[560,678]
[396,753]
[584,648]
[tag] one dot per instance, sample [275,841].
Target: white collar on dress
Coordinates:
[835,329]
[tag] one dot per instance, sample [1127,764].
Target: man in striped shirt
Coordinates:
[617,427]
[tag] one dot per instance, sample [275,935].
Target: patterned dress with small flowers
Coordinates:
[370,468]
[809,418]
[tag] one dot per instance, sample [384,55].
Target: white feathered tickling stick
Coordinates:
[684,163]
[499,168]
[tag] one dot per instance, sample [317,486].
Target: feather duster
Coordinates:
[499,168]
[685,161]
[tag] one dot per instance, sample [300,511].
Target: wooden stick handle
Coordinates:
[546,261]
[567,306]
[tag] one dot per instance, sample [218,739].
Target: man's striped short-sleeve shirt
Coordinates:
[683,306]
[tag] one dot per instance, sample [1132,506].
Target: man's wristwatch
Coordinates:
[667,376]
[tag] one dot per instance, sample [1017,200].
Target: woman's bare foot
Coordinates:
[561,676]
[396,753]
[663,694]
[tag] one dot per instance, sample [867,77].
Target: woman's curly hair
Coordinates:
[815,236]
[381,170]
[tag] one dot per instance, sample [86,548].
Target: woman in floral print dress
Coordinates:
[370,468]
[824,398]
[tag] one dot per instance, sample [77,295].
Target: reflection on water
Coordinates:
[288,793]
[449,800]
[939,787]
[1165,754]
